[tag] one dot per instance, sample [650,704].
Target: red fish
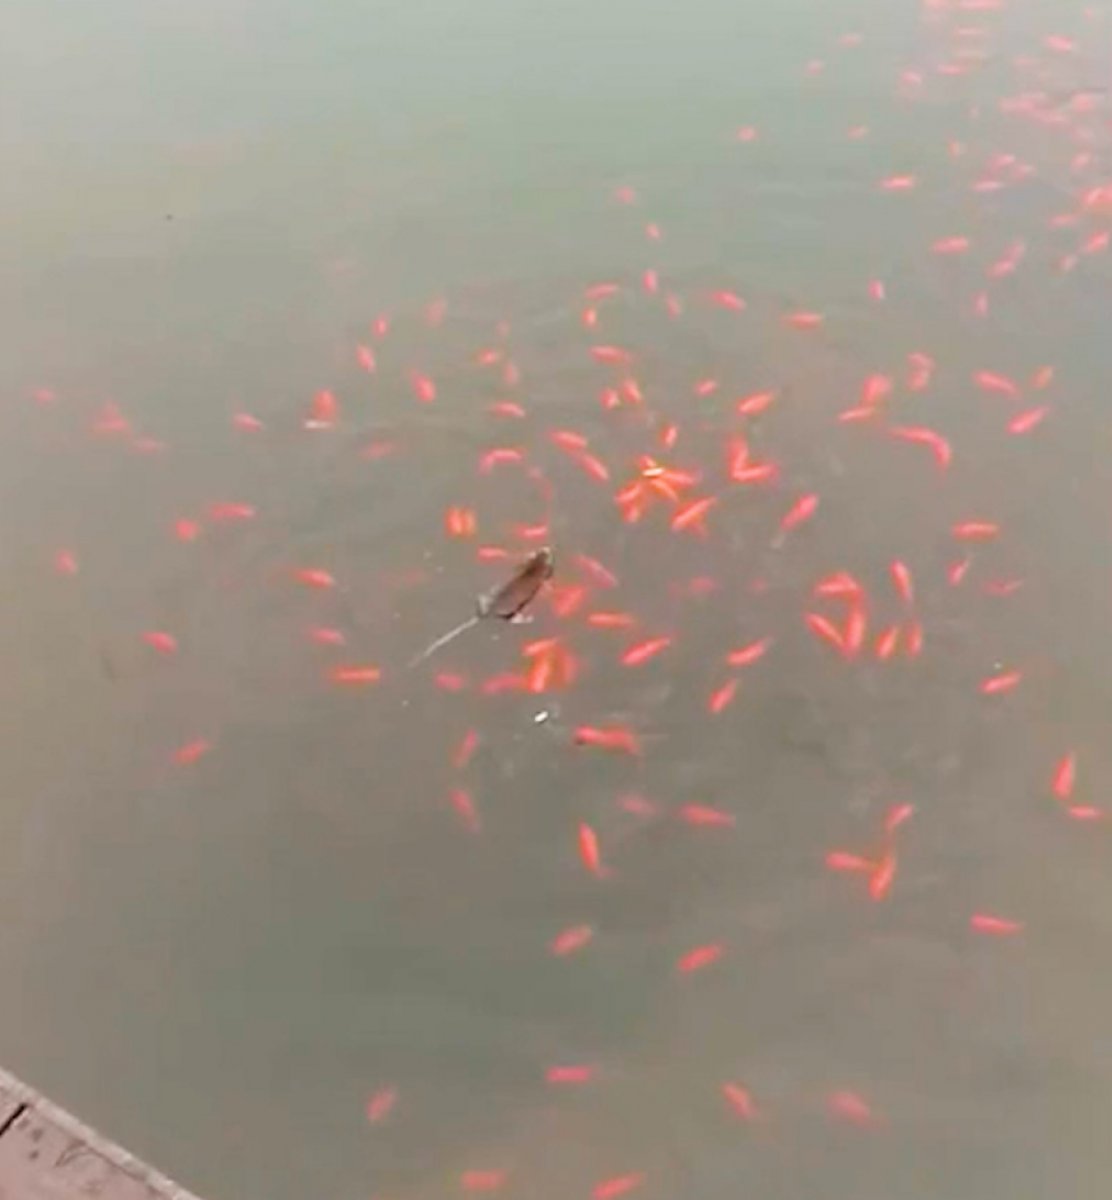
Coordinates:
[887,643]
[462,802]
[739,1099]
[1065,776]
[1001,385]
[693,514]
[619,1185]
[849,1106]
[722,697]
[880,882]
[570,1075]
[934,441]
[315,577]
[994,685]
[192,752]
[700,957]
[701,814]
[730,300]
[1024,422]
[381,1105]
[750,654]
[323,412]
[875,389]
[483,1181]
[358,674]
[640,653]
[589,851]
[802,510]
[465,751]
[975,531]
[1000,926]
[568,941]
[164,643]
[755,403]
[424,388]
[840,860]
[825,629]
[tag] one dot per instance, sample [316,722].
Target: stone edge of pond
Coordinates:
[48,1154]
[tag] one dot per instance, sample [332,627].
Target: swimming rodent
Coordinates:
[506,602]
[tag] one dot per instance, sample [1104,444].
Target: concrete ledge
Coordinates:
[45,1154]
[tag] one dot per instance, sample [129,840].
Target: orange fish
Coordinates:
[755,403]
[740,1101]
[465,808]
[1001,926]
[323,412]
[802,510]
[722,697]
[880,882]
[589,851]
[315,577]
[693,514]
[569,940]
[620,1185]
[1001,385]
[465,751]
[358,674]
[611,354]
[700,814]
[1065,776]
[934,441]
[730,300]
[164,643]
[994,685]
[750,654]
[424,389]
[897,815]
[700,957]
[839,860]
[483,1181]
[191,752]
[914,642]
[381,1105]
[841,583]
[856,626]
[612,620]
[569,1075]
[187,530]
[887,643]
[849,1106]
[1024,422]
[826,630]
[875,389]
[640,653]
[975,531]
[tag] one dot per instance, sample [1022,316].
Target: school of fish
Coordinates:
[714,534]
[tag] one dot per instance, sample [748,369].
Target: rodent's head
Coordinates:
[543,560]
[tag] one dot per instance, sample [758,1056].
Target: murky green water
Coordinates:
[205,208]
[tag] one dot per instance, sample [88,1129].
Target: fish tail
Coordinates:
[441,642]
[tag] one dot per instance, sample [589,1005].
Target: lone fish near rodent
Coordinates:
[506,602]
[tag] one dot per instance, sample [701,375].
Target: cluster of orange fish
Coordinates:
[853,625]
[848,638]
